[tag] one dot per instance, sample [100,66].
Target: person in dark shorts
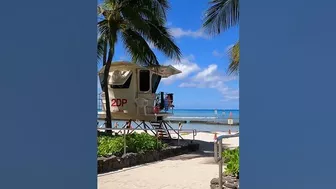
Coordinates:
[128,126]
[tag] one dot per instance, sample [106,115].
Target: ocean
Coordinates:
[201,115]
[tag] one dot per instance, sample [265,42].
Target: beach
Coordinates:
[198,119]
[188,171]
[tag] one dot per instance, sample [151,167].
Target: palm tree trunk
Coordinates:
[105,53]
[108,119]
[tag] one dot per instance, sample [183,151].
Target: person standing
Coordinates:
[180,126]
[166,103]
[116,125]
[128,126]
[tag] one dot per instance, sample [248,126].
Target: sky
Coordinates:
[204,82]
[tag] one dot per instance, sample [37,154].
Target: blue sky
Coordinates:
[203,83]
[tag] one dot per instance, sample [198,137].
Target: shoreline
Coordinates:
[202,122]
[207,122]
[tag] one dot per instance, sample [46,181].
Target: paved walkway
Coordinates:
[189,171]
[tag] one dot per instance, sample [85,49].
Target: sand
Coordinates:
[189,171]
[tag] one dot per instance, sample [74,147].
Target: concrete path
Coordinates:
[189,171]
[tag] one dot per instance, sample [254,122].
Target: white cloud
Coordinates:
[179,32]
[211,78]
[186,65]
[207,74]
[188,85]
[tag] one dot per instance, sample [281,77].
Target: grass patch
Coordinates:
[136,143]
[231,158]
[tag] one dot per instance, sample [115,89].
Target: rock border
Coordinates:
[113,163]
[229,182]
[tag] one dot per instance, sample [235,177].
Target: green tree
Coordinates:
[220,16]
[136,23]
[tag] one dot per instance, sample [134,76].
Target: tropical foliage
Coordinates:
[137,143]
[234,58]
[136,24]
[231,158]
[220,16]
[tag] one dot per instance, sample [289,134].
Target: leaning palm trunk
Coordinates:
[108,122]
[108,119]
[107,63]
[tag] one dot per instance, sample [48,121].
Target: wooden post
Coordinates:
[220,164]
[124,141]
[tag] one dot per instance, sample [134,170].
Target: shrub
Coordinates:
[231,158]
[108,146]
[136,143]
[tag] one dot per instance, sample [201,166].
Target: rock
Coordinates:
[115,166]
[113,158]
[229,182]
[129,159]
[214,181]
[140,158]
[166,153]
[100,165]
[229,179]
[148,157]
[106,165]
[233,186]
[214,187]
[156,156]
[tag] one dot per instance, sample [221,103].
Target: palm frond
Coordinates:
[234,55]
[138,48]
[162,39]
[148,9]
[137,21]
[221,15]
[107,30]
[103,27]
[158,7]
[153,31]
[133,19]
[112,4]
[101,48]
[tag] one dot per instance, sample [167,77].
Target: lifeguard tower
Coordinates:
[133,96]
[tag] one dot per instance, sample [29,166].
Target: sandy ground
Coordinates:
[189,171]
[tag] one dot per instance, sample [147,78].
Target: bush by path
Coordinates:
[136,143]
[231,158]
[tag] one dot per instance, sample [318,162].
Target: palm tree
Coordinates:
[234,58]
[135,23]
[220,16]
